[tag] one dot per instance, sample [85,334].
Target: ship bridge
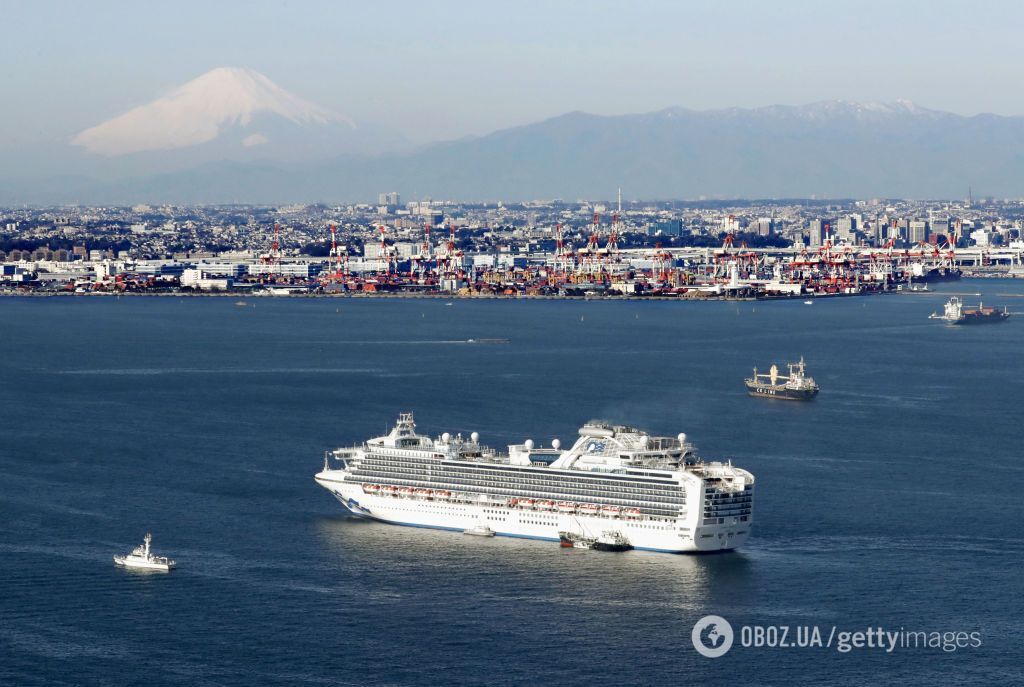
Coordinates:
[603,446]
[403,438]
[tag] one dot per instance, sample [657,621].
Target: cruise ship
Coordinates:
[654,491]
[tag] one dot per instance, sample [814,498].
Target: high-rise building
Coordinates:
[846,229]
[815,233]
[391,199]
[667,227]
[937,227]
[765,226]
[917,231]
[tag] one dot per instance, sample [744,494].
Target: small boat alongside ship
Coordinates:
[479,531]
[610,540]
[142,558]
[796,386]
[954,312]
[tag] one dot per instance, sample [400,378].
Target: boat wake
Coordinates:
[153,371]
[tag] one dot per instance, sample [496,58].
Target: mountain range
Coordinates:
[232,135]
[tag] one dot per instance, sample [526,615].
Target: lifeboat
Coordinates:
[526,503]
[588,508]
[442,494]
[389,489]
[512,502]
[371,488]
[610,511]
[546,505]
[425,493]
[631,513]
[405,491]
[566,507]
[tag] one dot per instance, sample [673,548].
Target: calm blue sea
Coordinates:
[894,500]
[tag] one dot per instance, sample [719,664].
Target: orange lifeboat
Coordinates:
[610,511]
[588,509]
[566,507]
[371,488]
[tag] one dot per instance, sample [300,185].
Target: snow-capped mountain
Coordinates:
[202,110]
[831,148]
[229,114]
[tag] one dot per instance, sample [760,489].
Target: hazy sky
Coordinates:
[447,69]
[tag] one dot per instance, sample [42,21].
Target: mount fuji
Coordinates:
[227,114]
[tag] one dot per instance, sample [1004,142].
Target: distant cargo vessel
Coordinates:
[796,386]
[954,312]
[653,492]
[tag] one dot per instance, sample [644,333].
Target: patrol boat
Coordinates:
[141,558]
[796,386]
[653,491]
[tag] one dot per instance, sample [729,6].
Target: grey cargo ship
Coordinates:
[796,386]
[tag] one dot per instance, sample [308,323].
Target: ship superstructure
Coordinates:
[655,491]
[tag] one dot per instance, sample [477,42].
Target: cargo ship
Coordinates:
[654,492]
[796,386]
[954,312]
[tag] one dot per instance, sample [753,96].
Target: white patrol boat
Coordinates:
[652,491]
[141,558]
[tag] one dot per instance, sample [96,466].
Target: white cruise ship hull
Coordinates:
[662,534]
